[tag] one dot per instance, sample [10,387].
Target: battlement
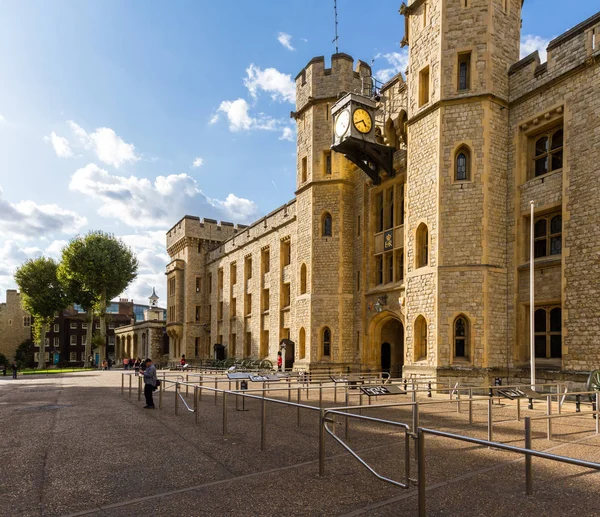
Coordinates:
[315,81]
[204,229]
[276,219]
[573,49]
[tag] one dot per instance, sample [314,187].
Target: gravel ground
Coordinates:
[72,444]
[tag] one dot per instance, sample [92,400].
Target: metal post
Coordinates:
[528,477]
[215,391]
[129,385]
[577,403]
[450,389]
[360,402]
[518,410]
[139,388]
[421,471]
[415,409]
[558,402]
[531,299]
[160,394]
[321,442]
[470,406]
[335,392]
[597,415]
[122,383]
[289,390]
[263,422]
[458,401]
[196,404]
[176,397]
[428,389]
[320,394]
[490,419]
[225,393]
[406,457]
[299,390]
[346,423]
[200,390]
[187,388]
[548,413]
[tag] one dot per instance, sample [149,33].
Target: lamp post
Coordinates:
[531,299]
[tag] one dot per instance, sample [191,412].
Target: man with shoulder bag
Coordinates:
[150,383]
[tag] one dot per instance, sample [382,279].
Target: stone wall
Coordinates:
[14,327]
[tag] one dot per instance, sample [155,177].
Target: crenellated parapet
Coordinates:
[315,82]
[192,229]
[245,235]
[576,48]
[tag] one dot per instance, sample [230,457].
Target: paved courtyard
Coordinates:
[74,445]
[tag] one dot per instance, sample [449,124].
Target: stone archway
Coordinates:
[386,336]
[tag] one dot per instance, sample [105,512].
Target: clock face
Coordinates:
[342,123]
[362,120]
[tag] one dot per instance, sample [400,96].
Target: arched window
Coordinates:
[461,337]
[303,279]
[548,152]
[462,164]
[326,342]
[327,225]
[302,347]
[420,338]
[422,246]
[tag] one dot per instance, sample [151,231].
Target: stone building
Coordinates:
[15,324]
[420,266]
[145,338]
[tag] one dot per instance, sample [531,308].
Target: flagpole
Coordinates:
[531,301]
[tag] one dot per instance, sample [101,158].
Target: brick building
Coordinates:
[421,266]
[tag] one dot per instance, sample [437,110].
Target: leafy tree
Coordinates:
[25,354]
[98,267]
[42,295]
[3,360]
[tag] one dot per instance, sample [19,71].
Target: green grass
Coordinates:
[54,370]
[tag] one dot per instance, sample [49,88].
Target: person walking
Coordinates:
[279,361]
[14,369]
[149,383]
[126,363]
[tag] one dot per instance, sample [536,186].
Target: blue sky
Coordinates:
[124,115]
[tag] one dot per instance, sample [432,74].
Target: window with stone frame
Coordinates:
[424,86]
[422,246]
[546,150]
[198,284]
[464,71]
[326,342]
[378,205]
[220,279]
[327,163]
[548,332]
[327,225]
[420,338]
[399,265]
[72,356]
[27,321]
[303,279]
[379,270]
[547,235]
[302,343]
[73,340]
[462,164]
[461,337]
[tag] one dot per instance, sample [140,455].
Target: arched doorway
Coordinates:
[385,349]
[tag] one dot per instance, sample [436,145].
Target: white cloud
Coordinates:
[60,144]
[285,40]
[531,43]
[108,146]
[27,219]
[398,62]
[237,113]
[287,134]
[279,85]
[139,202]
[198,162]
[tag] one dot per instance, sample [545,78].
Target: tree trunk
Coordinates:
[103,349]
[42,356]
[88,337]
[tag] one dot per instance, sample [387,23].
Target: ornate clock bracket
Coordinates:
[376,160]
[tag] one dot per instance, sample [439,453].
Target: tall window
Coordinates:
[198,284]
[327,163]
[462,164]
[548,334]
[304,169]
[326,342]
[420,338]
[424,86]
[248,267]
[422,244]
[27,321]
[220,278]
[286,252]
[464,65]
[389,267]
[461,337]
[303,279]
[233,273]
[399,265]
[302,347]
[197,313]
[209,282]
[548,152]
[327,225]
[547,236]
[379,212]
[266,260]
[379,269]
[390,208]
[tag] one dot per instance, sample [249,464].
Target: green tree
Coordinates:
[25,354]
[3,360]
[42,295]
[100,267]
